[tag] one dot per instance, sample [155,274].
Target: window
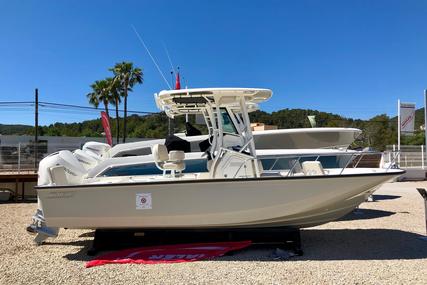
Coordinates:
[228,126]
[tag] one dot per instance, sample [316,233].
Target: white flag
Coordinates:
[312,120]
[407,118]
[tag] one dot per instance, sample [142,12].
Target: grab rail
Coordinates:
[355,158]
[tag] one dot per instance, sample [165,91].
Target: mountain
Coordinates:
[378,131]
[15,129]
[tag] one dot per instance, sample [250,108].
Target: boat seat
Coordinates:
[311,168]
[172,161]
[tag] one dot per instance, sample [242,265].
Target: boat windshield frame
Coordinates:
[211,102]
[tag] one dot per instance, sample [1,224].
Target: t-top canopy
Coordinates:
[193,101]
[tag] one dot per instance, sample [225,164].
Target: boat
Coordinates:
[271,160]
[298,138]
[235,190]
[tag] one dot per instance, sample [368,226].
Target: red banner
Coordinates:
[106,125]
[169,253]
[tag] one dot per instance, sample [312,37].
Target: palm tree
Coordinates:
[115,92]
[100,93]
[127,76]
[93,98]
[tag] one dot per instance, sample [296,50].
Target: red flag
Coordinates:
[177,82]
[169,253]
[106,125]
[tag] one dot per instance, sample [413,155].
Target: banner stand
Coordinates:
[405,122]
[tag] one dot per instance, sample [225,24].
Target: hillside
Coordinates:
[378,131]
[15,129]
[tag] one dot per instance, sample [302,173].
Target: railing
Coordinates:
[411,156]
[292,163]
[337,160]
[21,157]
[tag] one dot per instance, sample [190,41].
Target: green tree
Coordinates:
[115,91]
[378,132]
[127,77]
[100,93]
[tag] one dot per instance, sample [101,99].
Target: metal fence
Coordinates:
[21,157]
[411,156]
[18,153]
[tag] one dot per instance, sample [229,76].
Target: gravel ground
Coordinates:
[378,244]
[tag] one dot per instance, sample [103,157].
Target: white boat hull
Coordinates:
[305,138]
[261,202]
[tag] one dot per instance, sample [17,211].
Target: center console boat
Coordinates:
[234,188]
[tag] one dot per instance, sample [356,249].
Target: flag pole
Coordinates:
[398,131]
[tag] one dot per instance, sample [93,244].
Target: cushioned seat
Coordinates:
[311,168]
[174,166]
[173,161]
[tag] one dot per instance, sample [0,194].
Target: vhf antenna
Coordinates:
[169,58]
[152,58]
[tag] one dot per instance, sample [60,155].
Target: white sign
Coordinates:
[143,201]
[407,118]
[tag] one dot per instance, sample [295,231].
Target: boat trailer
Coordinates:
[116,239]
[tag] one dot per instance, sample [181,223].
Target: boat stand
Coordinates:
[108,239]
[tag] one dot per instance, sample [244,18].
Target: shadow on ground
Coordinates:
[88,234]
[385,197]
[321,244]
[365,214]
[363,244]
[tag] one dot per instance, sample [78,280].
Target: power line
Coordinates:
[17,102]
[53,105]
[91,108]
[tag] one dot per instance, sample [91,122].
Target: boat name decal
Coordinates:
[60,195]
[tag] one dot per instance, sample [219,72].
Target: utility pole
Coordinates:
[398,131]
[36,126]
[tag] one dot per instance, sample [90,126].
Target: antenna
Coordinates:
[152,58]
[169,58]
[184,79]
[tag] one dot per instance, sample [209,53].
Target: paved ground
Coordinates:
[379,244]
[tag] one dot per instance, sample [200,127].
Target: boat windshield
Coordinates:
[228,126]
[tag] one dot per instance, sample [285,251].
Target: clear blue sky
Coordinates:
[354,58]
